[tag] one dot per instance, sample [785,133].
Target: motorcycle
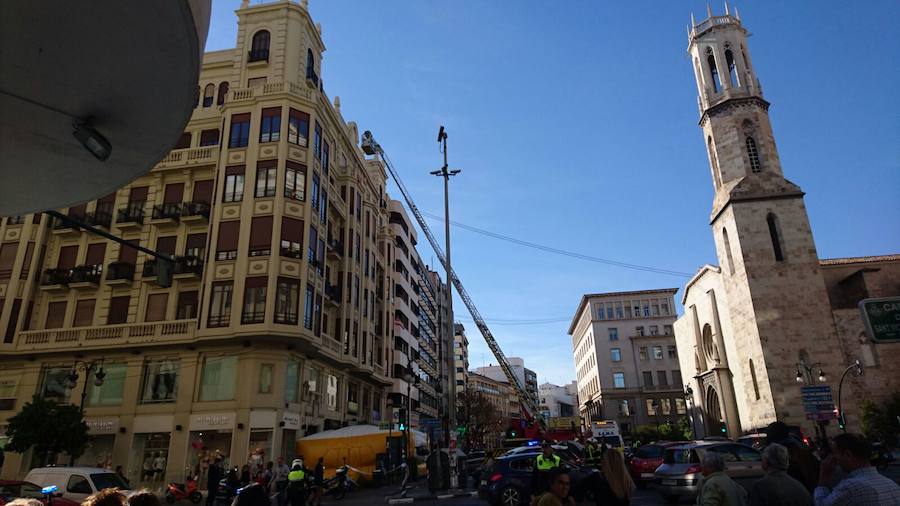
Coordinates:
[187,490]
[226,491]
[880,457]
[340,484]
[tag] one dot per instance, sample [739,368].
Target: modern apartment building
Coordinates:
[527,377]
[460,357]
[558,401]
[279,321]
[625,357]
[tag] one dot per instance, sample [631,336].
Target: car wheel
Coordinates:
[511,496]
[170,498]
[670,498]
[196,497]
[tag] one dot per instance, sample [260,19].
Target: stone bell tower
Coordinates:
[774,291]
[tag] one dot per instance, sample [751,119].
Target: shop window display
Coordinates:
[148,459]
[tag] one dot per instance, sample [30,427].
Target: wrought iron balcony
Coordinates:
[132,213]
[291,253]
[59,224]
[189,265]
[195,209]
[333,292]
[99,218]
[170,211]
[56,277]
[120,271]
[87,274]
[335,246]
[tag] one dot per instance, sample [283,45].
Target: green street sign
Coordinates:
[882,318]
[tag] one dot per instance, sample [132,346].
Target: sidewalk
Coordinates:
[418,492]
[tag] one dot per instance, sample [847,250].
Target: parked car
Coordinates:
[507,481]
[76,483]
[643,463]
[13,489]
[679,475]
[563,451]
[757,441]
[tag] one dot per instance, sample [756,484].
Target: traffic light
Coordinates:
[842,422]
[461,429]
[402,418]
[164,268]
[723,429]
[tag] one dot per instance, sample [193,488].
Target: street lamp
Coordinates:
[805,375]
[72,381]
[689,396]
[842,422]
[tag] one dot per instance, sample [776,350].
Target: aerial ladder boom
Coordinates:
[371,147]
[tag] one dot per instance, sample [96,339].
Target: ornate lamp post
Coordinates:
[805,375]
[857,366]
[72,380]
[689,397]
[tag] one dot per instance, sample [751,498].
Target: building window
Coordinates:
[326,156]
[314,192]
[667,330]
[220,304]
[672,352]
[270,126]
[639,330]
[624,409]
[226,246]
[615,354]
[186,307]
[648,378]
[732,69]
[317,141]
[654,330]
[110,392]
[118,310]
[265,181]
[218,378]
[613,334]
[261,236]
[298,127]
[55,384]
[156,307]
[209,93]
[657,353]
[160,382]
[619,312]
[727,246]
[223,92]
[308,308]
[666,405]
[713,71]
[254,300]
[680,406]
[291,238]
[652,407]
[266,372]
[84,313]
[331,392]
[292,382]
[295,182]
[609,311]
[662,377]
[240,131]
[184,141]
[619,379]
[287,301]
[753,155]
[234,184]
[259,47]
[643,353]
[714,162]
[209,137]
[753,377]
[646,309]
[665,308]
[774,234]
[676,377]
[601,313]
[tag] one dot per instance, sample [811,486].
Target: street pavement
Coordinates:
[382,495]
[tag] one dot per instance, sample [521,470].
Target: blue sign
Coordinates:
[430,423]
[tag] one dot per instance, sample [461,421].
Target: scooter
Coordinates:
[187,490]
[338,486]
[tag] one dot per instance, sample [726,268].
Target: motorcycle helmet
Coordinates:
[296,463]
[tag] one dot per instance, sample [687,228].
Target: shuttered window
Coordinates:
[7,258]
[195,246]
[26,264]
[226,247]
[174,193]
[261,236]
[138,194]
[56,315]
[209,137]
[67,255]
[156,307]
[129,255]
[78,211]
[118,310]
[13,320]
[166,245]
[291,237]
[187,305]
[84,313]
[203,191]
[95,254]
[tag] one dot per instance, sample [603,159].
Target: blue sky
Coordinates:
[575,125]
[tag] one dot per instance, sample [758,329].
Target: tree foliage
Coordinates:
[482,417]
[49,428]
[881,421]
[679,430]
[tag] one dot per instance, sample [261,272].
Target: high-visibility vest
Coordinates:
[296,475]
[547,464]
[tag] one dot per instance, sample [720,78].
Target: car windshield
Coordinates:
[649,452]
[681,456]
[613,441]
[108,480]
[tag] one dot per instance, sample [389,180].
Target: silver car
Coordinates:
[679,475]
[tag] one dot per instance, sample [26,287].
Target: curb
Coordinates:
[431,497]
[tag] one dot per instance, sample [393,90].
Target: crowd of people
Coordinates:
[293,485]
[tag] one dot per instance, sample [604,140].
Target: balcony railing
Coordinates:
[56,277]
[253,317]
[312,78]
[87,274]
[108,335]
[188,265]
[132,213]
[336,246]
[120,271]
[188,156]
[59,224]
[291,253]
[151,269]
[99,219]
[333,292]
[169,211]
[258,55]
[195,209]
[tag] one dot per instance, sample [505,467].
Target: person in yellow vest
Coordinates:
[543,464]
[296,490]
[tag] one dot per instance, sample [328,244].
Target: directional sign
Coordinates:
[818,403]
[882,318]
[430,423]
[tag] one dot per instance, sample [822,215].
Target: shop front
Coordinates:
[148,456]
[210,437]
[262,432]
[290,424]
[101,442]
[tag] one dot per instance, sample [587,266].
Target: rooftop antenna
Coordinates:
[709,11]
[693,22]
[726,7]
[737,15]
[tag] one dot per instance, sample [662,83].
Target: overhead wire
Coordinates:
[559,251]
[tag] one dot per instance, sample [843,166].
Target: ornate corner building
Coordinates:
[280,320]
[772,311]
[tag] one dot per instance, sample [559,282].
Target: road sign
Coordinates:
[882,318]
[818,403]
[430,423]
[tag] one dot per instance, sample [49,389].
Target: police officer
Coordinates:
[296,490]
[593,456]
[543,464]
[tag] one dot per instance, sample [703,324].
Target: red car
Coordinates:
[12,489]
[645,461]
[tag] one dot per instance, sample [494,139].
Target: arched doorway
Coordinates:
[713,412]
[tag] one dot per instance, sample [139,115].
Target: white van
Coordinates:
[75,483]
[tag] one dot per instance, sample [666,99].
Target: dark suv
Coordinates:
[507,481]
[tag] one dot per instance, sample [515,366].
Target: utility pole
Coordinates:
[451,380]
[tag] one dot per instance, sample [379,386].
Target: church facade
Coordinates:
[771,317]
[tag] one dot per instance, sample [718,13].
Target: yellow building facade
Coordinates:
[278,320]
